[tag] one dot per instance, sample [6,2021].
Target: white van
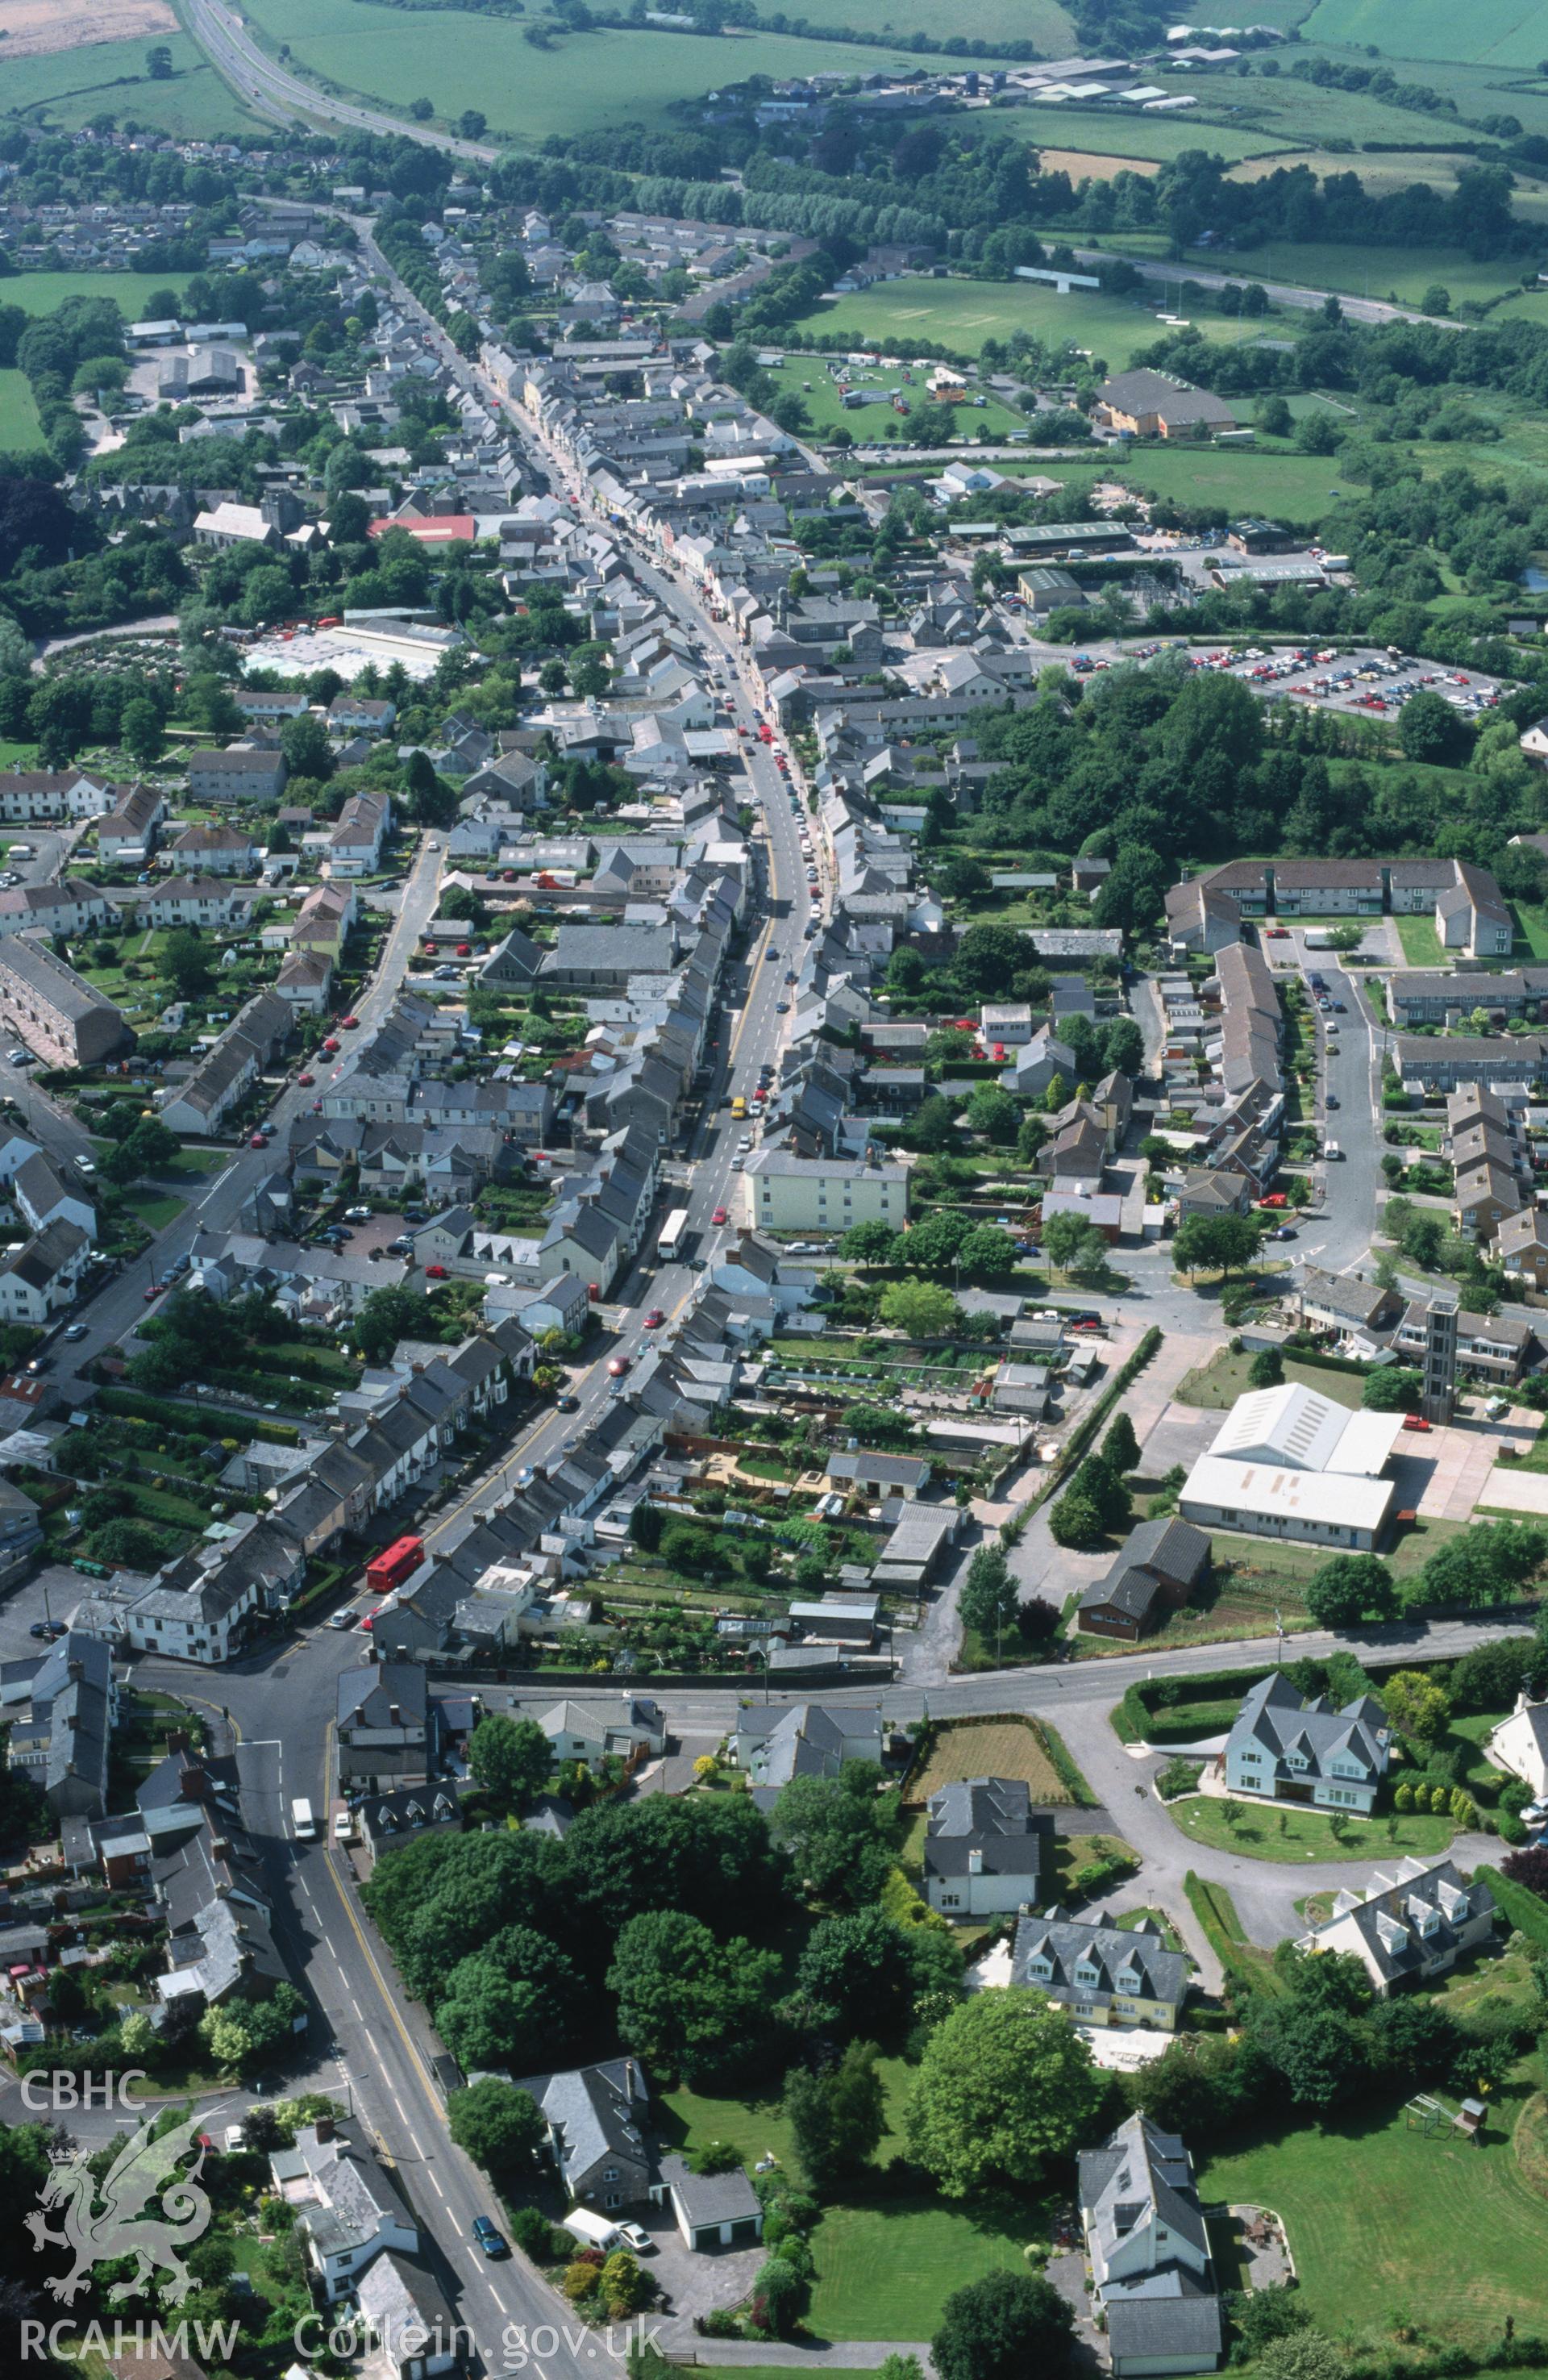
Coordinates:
[591,2231]
[344,1827]
[303,1822]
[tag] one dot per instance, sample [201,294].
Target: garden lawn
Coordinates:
[20,428]
[156,1209]
[1421,944]
[758,2128]
[1307,1834]
[1219,1382]
[885,2271]
[1386,2226]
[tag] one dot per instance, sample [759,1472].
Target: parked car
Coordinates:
[720,1215]
[1415,1421]
[435,1272]
[76,1330]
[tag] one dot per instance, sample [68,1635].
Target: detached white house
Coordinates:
[1520,1744]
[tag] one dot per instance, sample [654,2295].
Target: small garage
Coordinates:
[711,2210]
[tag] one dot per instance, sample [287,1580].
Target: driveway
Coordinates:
[693,2281]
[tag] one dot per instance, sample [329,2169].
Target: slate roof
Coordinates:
[593,2111]
[987,1816]
[1274,1716]
[1066,1942]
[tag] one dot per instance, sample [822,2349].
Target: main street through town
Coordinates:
[275,1707]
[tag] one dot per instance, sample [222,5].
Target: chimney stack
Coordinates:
[324,2127]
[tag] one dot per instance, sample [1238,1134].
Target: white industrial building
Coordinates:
[1290,1463]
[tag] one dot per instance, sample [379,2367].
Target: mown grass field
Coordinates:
[68,88]
[19,426]
[1492,33]
[585,82]
[44,293]
[1042,21]
[1404,273]
[866,422]
[1128,132]
[962,314]
[992,1747]
[1386,2226]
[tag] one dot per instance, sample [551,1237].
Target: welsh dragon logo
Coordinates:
[107,2218]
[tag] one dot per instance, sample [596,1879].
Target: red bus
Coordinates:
[390,1568]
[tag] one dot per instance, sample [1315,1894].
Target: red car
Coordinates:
[432,947]
[306,1081]
[256,1140]
[349,1023]
[435,1272]
[655,1319]
[465,950]
[154,1291]
[1275,1199]
[719,1216]
[617,1366]
[1415,1421]
[333,1043]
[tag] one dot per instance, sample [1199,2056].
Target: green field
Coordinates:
[1403,272]
[19,426]
[1386,2226]
[1283,487]
[1125,132]
[868,421]
[962,314]
[69,87]
[586,81]
[42,293]
[1042,21]
[1497,34]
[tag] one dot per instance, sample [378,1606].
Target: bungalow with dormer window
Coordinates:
[1099,1972]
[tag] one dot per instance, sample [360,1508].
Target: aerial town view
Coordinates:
[773,1190]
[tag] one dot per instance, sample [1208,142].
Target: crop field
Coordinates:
[991,1747]
[20,427]
[962,314]
[1492,33]
[68,88]
[34,27]
[44,293]
[1083,165]
[583,82]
